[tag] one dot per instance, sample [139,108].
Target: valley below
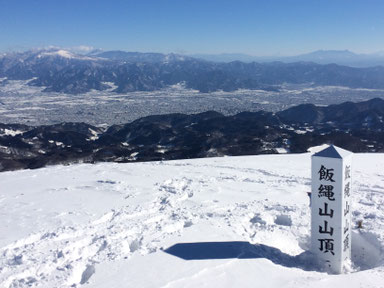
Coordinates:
[24,104]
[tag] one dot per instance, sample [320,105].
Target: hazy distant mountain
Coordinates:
[344,57]
[230,57]
[340,57]
[59,70]
[141,57]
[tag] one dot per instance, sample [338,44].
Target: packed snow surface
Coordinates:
[217,222]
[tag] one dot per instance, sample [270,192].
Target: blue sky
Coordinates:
[258,27]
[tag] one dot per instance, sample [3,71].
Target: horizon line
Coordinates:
[84,49]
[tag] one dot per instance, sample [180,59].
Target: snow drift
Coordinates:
[217,222]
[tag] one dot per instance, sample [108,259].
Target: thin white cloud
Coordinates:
[82,48]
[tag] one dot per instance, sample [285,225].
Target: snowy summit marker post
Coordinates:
[331,215]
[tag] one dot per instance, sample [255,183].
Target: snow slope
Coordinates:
[217,222]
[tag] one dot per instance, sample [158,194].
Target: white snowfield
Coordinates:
[216,222]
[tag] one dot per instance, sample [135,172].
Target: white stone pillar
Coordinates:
[330,208]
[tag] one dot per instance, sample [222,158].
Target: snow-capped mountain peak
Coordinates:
[62,53]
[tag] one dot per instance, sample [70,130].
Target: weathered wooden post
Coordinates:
[331,215]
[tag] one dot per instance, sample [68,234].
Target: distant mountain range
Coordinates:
[63,71]
[358,127]
[339,57]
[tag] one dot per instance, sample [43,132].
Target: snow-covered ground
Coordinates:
[217,222]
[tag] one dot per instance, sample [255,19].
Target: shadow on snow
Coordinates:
[240,250]
[367,253]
